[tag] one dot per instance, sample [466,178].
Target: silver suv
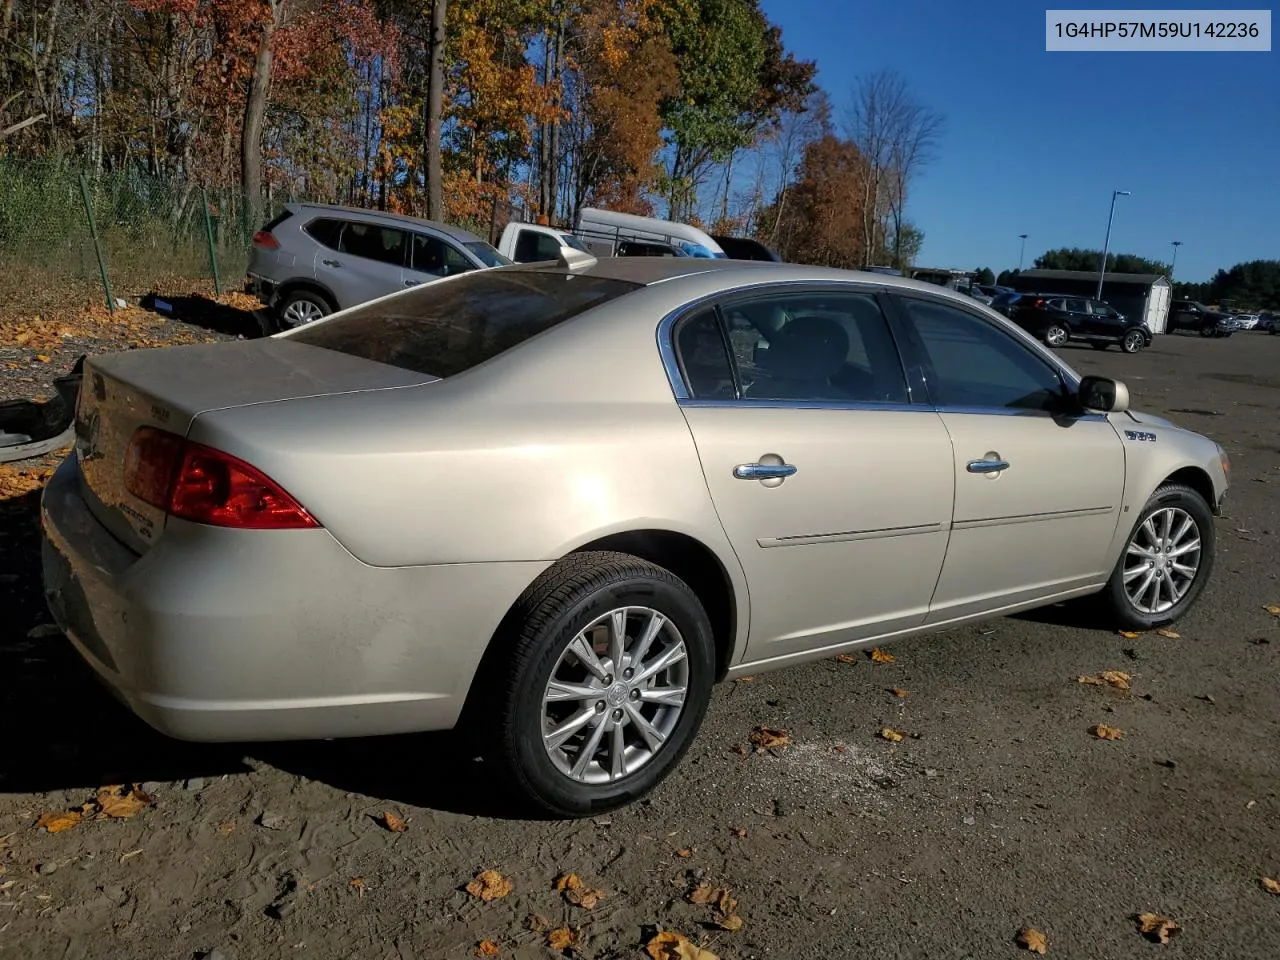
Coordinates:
[314,259]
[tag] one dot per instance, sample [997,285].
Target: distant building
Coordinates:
[1136,295]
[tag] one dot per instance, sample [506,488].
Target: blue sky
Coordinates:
[1035,142]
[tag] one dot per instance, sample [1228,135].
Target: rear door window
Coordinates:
[368,240]
[326,231]
[444,329]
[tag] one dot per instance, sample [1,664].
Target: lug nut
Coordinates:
[628,673]
[617,715]
[608,680]
[635,694]
[599,706]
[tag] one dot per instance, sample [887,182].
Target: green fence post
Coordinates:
[208,233]
[97,244]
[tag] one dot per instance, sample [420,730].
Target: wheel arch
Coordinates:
[305,283]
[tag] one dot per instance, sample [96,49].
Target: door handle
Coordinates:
[332,263]
[412,283]
[987,466]
[764,471]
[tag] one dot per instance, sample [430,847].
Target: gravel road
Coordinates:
[997,810]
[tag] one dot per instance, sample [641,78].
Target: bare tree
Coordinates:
[434,107]
[255,111]
[897,135]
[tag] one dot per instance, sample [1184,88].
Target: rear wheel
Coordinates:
[302,307]
[1166,560]
[1207,331]
[1133,341]
[1056,335]
[605,678]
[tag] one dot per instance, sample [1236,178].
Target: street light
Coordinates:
[1106,246]
[1174,263]
[1021,249]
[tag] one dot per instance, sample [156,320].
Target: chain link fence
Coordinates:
[65,230]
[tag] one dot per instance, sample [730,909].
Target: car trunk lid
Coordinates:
[168,388]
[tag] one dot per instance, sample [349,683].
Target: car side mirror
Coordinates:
[1102,395]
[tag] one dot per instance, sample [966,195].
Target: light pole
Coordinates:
[1021,249]
[1106,246]
[1174,262]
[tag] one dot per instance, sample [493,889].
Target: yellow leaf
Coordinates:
[486,948]
[57,822]
[1103,732]
[1029,938]
[1169,634]
[578,893]
[703,893]
[888,733]
[489,885]
[669,945]
[880,656]
[561,938]
[42,358]
[898,691]
[767,739]
[846,658]
[357,884]
[393,823]
[1157,928]
[227,828]
[1272,609]
[568,881]
[684,853]
[731,923]
[1271,885]
[1114,678]
[121,802]
[1128,634]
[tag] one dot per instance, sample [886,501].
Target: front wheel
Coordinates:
[1056,335]
[1133,342]
[605,677]
[1208,331]
[1166,561]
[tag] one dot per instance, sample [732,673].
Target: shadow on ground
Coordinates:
[204,312]
[76,736]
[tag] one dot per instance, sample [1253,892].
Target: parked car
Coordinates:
[1060,318]
[1247,321]
[314,259]
[1190,315]
[552,504]
[1269,322]
[604,233]
[745,248]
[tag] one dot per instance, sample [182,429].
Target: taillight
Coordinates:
[265,238]
[193,482]
[1038,302]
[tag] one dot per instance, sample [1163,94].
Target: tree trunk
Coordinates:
[255,111]
[435,101]
[552,172]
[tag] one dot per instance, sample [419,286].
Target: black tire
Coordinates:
[1208,331]
[1056,331]
[562,602]
[1133,342]
[1116,600]
[304,299]
[1099,345]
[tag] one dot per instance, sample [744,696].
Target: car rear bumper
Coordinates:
[219,635]
[261,287]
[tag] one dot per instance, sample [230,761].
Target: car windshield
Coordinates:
[445,328]
[487,254]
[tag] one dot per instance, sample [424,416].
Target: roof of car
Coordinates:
[457,233]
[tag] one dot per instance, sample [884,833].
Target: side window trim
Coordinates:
[919,359]
[916,395]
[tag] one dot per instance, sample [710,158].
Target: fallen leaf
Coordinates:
[888,733]
[486,948]
[731,923]
[567,881]
[489,885]
[1272,609]
[561,938]
[739,749]
[880,656]
[1029,938]
[357,884]
[1103,732]
[227,828]
[1114,678]
[846,658]
[684,852]
[1169,634]
[57,822]
[535,922]
[578,893]
[898,692]
[1271,885]
[703,894]
[669,945]
[1156,928]
[739,832]
[42,358]
[121,802]
[746,680]
[393,823]
[1128,634]
[767,739]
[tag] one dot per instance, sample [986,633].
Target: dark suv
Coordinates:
[1057,318]
[1190,315]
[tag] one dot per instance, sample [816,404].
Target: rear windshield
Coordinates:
[444,328]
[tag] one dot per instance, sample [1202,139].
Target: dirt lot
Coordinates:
[997,810]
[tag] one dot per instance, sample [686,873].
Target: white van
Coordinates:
[604,233]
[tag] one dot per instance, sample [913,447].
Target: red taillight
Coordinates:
[265,238]
[198,483]
[1037,302]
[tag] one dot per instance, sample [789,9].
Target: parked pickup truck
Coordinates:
[604,233]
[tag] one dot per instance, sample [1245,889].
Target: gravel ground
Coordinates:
[998,810]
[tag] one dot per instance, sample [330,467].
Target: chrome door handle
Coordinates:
[412,283]
[987,466]
[332,263]
[764,471]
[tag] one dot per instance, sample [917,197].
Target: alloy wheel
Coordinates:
[615,695]
[299,312]
[1056,336]
[1162,560]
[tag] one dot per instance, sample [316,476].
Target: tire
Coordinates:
[534,645]
[1099,345]
[1133,342]
[301,307]
[1207,331]
[1147,613]
[1057,335]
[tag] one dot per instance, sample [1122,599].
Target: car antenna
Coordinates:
[572,259]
